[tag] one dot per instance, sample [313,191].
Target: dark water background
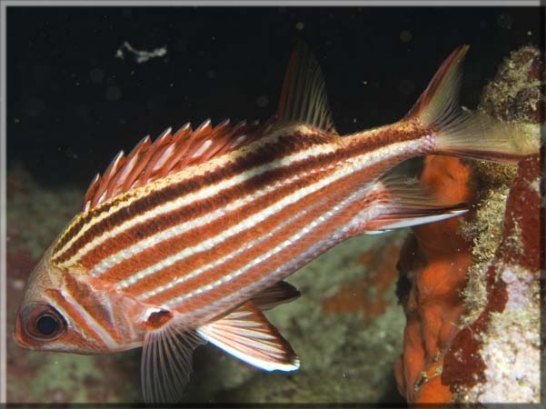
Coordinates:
[72,105]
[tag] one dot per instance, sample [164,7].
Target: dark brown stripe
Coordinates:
[154,225]
[197,235]
[199,307]
[316,204]
[285,144]
[242,239]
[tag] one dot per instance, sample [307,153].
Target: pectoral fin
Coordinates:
[246,334]
[167,363]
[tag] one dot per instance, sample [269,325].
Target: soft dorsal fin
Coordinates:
[167,154]
[303,96]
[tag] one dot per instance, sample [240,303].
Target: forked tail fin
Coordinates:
[460,132]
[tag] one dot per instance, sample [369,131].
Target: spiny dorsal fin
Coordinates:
[303,99]
[303,96]
[167,154]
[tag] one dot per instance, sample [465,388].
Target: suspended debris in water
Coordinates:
[140,56]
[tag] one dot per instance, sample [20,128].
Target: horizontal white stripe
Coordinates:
[187,173]
[209,244]
[204,193]
[293,264]
[241,249]
[219,261]
[206,245]
[179,229]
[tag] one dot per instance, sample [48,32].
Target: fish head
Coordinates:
[62,312]
[39,324]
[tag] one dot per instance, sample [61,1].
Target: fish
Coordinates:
[189,239]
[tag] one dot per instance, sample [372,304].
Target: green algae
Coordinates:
[60,376]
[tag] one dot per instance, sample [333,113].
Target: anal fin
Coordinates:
[247,334]
[405,202]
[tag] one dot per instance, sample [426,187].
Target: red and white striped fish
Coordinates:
[187,239]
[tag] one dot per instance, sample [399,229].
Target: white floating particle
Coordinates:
[141,56]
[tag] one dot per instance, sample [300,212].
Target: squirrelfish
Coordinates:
[188,239]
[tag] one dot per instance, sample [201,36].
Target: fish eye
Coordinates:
[43,322]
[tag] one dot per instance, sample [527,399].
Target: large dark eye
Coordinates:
[43,322]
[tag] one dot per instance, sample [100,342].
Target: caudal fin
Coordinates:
[460,132]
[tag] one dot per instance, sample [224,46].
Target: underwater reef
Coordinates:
[470,286]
